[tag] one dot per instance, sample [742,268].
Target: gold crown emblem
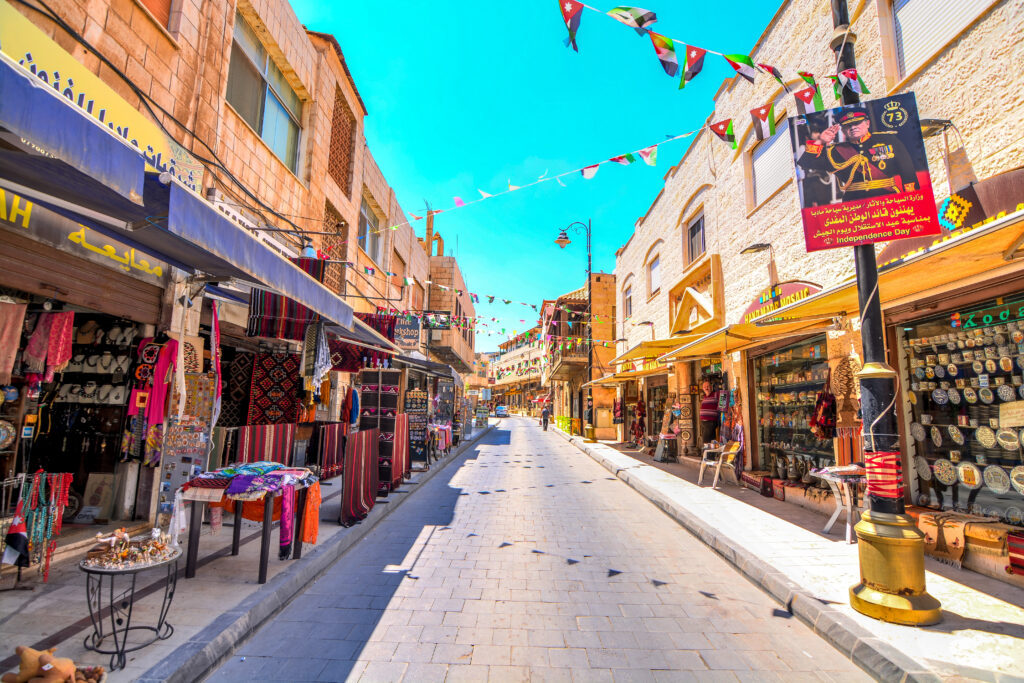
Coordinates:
[891,105]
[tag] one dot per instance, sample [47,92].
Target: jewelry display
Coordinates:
[89,391]
[91,364]
[76,363]
[117,396]
[106,363]
[122,363]
[104,393]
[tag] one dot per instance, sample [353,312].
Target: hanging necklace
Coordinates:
[108,366]
[87,393]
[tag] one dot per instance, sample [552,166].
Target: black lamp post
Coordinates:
[562,240]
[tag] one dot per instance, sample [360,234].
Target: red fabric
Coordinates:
[12,320]
[163,375]
[360,476]
[400,455]
[331,453]
[1015,545]
[58,351]
[311,517]
[266,442]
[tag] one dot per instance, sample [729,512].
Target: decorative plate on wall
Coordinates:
[969,475]
[997,479]
[945,472]
[924,470]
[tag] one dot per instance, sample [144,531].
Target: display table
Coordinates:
[843,481]
[102,596]
[214,487]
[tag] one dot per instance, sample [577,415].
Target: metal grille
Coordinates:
[923,27]
[341,160]
[335,246]
[772,163]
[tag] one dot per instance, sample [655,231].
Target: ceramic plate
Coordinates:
[952,370]
[917,431]
[924,470]
[1017,336]
[912,397]
[1014,515]
[1017,478]
[940,372]
[978,366]
[970,395]
[945,473]
[919,373]
[936,436]
[990,365]
[958,436]
[1007,438]
[969,475]
[940,396]
[999,339]
[1006,364]
[6,433]
[985,436]
[986,395]
[954,396]
[1020,391]
[1020,362]
[1005,392]
[997,479]
[929,372]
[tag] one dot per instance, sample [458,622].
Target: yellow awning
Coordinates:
[621,377]
[653,348]
[736,337]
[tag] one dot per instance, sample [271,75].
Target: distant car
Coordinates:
[501,411]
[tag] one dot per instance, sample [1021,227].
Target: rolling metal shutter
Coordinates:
[772,163]
[924,26]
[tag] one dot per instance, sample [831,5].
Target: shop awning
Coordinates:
[71,164]
[362,335]
[427,366]
[625,376]
[653,348]
[735,337]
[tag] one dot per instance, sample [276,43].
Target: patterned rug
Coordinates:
[272,443]
[235,400]
[273,315]
[274,389]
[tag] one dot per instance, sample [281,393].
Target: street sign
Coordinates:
[862,174]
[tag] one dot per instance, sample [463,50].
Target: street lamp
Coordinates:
[773,275]
[562,241]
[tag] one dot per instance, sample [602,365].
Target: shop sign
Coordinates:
[984,317]
[774,298]
[437,320]
[407,332]
[1011,414]
[643,365]
[874,155]
[26,44]
[19,215]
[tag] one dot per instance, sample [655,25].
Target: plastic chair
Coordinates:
[715,456]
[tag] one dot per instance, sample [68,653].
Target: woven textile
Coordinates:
[400,455]
[273,315]
[330,450]
[347,357]
[1015,545]
[12,320]
[274,389]
[235,406]
[360,476]
[271,443]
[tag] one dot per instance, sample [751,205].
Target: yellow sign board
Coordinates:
[1011,414]
[25,43]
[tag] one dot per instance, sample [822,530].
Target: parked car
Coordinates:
[501,411]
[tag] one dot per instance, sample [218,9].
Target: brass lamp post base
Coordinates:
[588,434]
[892,585]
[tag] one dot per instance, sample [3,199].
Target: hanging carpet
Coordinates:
[276,316]
[400,467]
[235,401]
[274,390]
[360,476]
[271,443]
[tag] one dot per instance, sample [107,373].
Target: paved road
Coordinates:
[526,560]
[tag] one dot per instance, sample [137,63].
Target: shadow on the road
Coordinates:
[954,623]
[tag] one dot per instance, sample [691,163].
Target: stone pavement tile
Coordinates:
[618,639]
[604,658]
[524,655]
[475,636]
[425,673]
[414,652]
[647,659]
[585,639]
[508,674]
[672,676]
[692,641]
[687,660]
[764,660]
[545,638]
[510,636]
[592,676]
[633,676]
[467,673]
[637,610]
[459,619]
[376,651]
[402,634]
[716,659]
[453,654]
[568,657]
[426,618]
[715,676]
[760,677]
[342,670]
[492,654]
[593,623]
[375,672]
[543,675]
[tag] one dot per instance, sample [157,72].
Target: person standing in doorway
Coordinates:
[545,415]
[708,412]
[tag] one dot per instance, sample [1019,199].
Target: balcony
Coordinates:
[567,362]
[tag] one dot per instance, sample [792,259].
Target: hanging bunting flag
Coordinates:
[723,129]
[764,121]
[807,77]
[507,301]
[368,270]
[459,202]
[808,100]
[666,50]
[474,298]
[636,17]
[743,65]
[419,218]
[649,155]
[572,12]
[774,73]
[590,171]
[855,82]
[490,300]
[625,159]
[837,87]
[511,186]
[693,63]
[443,288]
[484,195]
[390,274]
[408,281]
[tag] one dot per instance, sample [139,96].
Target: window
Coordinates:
[627,302]
[921,31]
[260,94]
[417,297]
[653,275]
[343,141]
[695,239]
[398,266]
[369,235]
[772,164]
[335,247]
[160,9]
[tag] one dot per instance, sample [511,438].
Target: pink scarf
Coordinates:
[58,351]
[12,320]
[34,354]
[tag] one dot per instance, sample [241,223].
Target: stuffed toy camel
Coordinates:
[40,667]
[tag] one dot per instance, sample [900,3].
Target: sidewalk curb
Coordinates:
[197,657]
[878,658]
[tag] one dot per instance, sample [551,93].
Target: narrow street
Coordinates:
[526,560]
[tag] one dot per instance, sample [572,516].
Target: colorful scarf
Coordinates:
[287,529]
[34,355]
[58,350]
[12,320]
[311,517]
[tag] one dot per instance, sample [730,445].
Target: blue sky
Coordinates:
[465,96]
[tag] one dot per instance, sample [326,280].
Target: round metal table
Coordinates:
[104,599]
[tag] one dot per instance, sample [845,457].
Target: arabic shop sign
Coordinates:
[863,174]
[407,332]
[26,44]
[643,365]
[19,215]
[776,297]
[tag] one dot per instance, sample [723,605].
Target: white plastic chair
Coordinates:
[716,456]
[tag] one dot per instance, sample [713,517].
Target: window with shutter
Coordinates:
[654,275]
[160,9]
[627,302]
[922,28]
[369,235]
[772,164]
[695,239]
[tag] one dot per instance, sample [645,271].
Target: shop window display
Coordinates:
[787,384]
[965,395]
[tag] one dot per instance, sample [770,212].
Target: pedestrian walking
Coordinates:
[545,415]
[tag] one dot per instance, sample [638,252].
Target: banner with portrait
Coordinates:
[862,174]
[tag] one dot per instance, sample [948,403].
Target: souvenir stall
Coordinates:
[382,395]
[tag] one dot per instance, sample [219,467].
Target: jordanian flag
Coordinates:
[572,12]
[407,281]
[590,171]
[764,121]
[774,73]
[723,129]
[368,270]
[16,552]
[625,159]
[743,65]
[650,157]
[855,82]
[693,63]
[638,18]
[666,50]
[808,100]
